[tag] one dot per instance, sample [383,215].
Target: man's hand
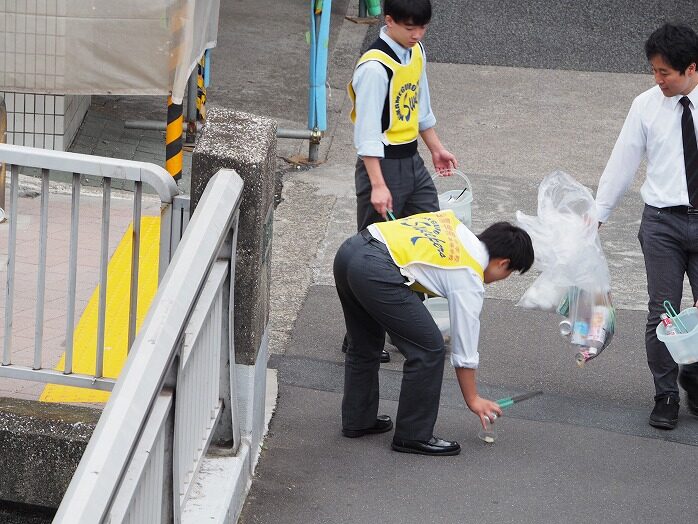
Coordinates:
[381,199]
[443,160]
[484,408]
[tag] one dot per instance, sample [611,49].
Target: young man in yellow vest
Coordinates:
[392,108]
[375,272]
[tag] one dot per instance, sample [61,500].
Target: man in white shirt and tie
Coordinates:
[661,127]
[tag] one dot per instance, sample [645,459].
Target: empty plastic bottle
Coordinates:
[669,326]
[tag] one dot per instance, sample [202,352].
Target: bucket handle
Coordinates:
[453,172]
[673,316]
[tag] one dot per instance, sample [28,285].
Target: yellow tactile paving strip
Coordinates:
[116,324]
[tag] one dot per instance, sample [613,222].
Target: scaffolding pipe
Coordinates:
[303,134]
[156,125]
[150,125]
[313,135]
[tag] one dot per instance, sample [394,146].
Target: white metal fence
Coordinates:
[177,389]
[50,163]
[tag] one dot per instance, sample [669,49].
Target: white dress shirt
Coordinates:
[465,293]
[652,128]
[370,83]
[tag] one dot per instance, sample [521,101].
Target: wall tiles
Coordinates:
[32,43]
[48,121]
[32,53]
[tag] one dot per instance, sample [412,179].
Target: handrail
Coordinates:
[149,367]
[151,174]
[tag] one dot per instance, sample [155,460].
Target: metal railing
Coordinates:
[177,387]
[108,169]
[3,139]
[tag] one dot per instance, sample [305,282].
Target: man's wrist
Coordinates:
[470,399]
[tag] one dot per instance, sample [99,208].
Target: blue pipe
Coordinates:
[207,68]
[319,48]
[311,72]
[321,66]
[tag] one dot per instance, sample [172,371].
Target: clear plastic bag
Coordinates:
[574,279]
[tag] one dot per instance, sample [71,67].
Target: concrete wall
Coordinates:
[247,144]
[41,447]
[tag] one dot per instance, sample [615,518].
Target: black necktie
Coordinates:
[690,151]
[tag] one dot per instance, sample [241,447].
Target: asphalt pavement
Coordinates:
[519,90]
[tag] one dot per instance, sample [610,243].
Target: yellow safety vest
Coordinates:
[428,238]
[403,95]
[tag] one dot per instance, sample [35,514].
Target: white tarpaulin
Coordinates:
[83,47]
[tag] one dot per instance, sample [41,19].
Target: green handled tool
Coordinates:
[510,401]
[390,214]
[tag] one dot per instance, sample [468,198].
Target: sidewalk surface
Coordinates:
[519,90]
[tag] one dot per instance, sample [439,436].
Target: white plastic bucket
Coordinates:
[459,200]
[438,307]
[682,346]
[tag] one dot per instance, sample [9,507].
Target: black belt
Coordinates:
[678,210]
[400,150]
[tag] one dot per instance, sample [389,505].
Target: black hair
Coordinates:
[677,44]
[505,240]
[416,12]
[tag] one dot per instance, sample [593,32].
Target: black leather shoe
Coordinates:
[665,414]
[690,385]
[383,424]
[433,446]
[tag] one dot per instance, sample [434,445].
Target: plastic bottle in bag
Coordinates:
[599,326]
[580,306]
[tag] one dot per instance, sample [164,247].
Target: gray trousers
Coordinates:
[410,185]
[669,243]
[375,299]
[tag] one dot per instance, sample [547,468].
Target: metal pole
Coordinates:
[314,142]
[152,125]
[302,134]
[201,90]
[314,145]
[3,137]
[192,89]
[173,139]
[362,8]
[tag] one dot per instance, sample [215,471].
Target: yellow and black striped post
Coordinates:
[173,139]
[201,90]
